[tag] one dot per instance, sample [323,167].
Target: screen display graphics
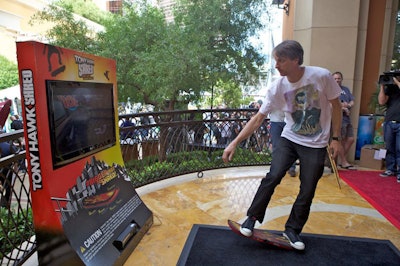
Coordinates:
[81,117]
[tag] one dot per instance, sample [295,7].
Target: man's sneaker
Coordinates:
[247,227]
[398,178]
[386,173]
[294,239]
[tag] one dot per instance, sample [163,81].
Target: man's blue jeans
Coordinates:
[391,135]
[275,132]
[311,169]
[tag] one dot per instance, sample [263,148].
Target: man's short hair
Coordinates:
[338,73]
[290,49]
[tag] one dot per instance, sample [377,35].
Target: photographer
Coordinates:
[389,94]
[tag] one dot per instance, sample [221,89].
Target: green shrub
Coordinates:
[150,169]
[15,228]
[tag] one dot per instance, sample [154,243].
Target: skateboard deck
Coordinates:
[263,236]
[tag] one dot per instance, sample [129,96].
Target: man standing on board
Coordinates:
[309,96]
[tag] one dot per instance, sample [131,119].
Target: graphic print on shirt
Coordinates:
[305,110]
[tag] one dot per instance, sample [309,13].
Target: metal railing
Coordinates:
[155,146]
[17,241]
[164,144]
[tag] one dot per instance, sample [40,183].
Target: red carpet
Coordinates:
[381,192]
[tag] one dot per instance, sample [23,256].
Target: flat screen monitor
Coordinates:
[81,119]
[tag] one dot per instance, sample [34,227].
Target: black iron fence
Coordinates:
[17,240]
[160,145]
[155,146]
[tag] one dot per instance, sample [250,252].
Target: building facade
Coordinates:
[14,25]
[355,37]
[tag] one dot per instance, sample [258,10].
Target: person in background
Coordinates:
[7,173]
[309,97]
[235,126]
[277,123]
[225,130]
[216,131]
[16,122]
[347,100]
[390,95]
[127,122]
[264,135]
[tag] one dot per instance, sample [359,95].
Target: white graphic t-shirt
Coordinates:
[308,112]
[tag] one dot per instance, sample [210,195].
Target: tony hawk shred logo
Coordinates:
[30,110]
[85,67]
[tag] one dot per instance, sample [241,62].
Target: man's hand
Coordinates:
[249,128]
[335,147]
[346,111]
[396,81]
[229,152]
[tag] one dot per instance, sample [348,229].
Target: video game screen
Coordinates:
[81,117]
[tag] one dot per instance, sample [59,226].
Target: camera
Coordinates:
[387,77]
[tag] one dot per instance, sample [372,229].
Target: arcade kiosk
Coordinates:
[85,208]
